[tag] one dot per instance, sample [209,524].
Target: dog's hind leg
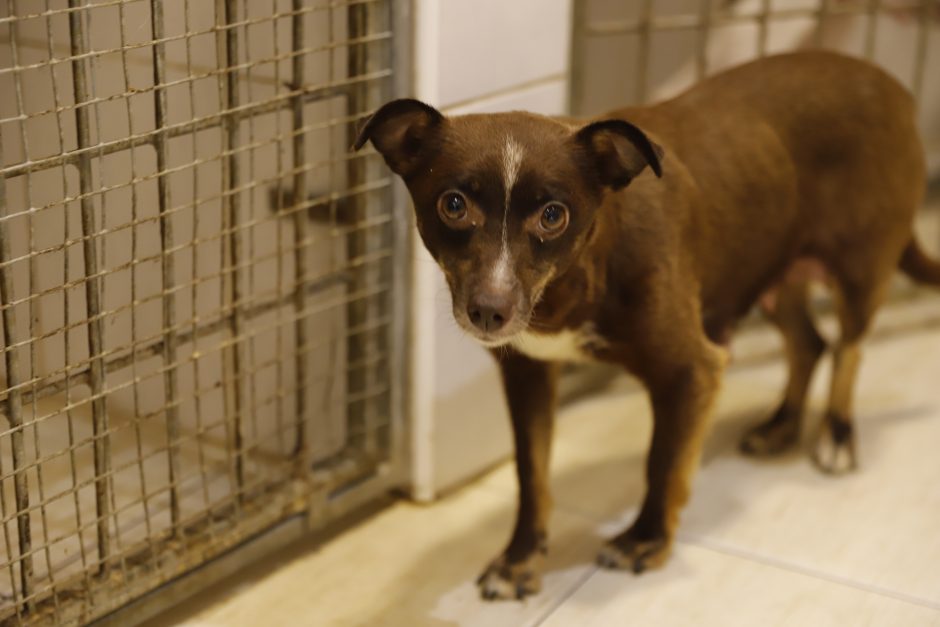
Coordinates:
[856,304]
[804,346]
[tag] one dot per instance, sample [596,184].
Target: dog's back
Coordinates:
[795,156]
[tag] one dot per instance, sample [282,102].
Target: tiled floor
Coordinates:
[772,543]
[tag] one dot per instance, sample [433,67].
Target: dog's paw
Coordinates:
[626,552]
[776,435]
[503,579]
[834,449]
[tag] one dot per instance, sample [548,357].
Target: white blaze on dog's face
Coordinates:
[502,277]
[504,202]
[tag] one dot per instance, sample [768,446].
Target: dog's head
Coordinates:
[504,202]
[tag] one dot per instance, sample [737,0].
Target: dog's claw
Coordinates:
[637,556]
[505,580]
[838,459]
[772,437]
[834,450]
[605,561]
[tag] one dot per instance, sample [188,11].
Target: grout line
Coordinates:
[781,564]
[504,91]
[553,607]
[732,551]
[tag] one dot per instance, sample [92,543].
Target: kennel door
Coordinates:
[202,286]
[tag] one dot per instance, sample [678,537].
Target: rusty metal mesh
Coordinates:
[656,36]
[196,277]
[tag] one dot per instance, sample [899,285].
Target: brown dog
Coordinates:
[642,242]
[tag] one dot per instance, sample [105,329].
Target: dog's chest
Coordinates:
[567,345]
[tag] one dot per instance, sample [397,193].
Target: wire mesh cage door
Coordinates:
[200,284]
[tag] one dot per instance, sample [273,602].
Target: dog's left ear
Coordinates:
[619,151]
[400,130]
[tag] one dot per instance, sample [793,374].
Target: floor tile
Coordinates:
[877,526]
[408,565]
[703,587]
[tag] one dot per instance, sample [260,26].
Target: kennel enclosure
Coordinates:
[205,294]
[202,286]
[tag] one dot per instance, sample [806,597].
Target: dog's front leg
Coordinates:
[530,392]
[682,398]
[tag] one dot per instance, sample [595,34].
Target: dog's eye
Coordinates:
[554,218]
[452,206]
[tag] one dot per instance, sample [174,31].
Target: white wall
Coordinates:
[472,56]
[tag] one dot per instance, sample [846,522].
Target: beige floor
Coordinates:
[761,543]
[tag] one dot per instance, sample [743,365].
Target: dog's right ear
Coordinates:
[619,151]
[400,131]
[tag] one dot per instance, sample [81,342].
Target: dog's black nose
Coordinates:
[490,311]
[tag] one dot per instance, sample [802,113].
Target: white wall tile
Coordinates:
[491,45]
[548,98]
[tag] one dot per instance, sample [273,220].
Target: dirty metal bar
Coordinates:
[14,379]
[14,412]
[821,17]
[33,318]
[227,41]
[168,267]
[705,25]
[34,321]
[66,319]
[135,392]
[277,204]
[920,60]
[357,312]
[194,284]
[102,446]
[872,9]
[762,29]
[576,58]
[4,296]
[373,415]
[642,57]
[298,194]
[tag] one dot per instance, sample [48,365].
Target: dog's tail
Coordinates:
[916,264]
